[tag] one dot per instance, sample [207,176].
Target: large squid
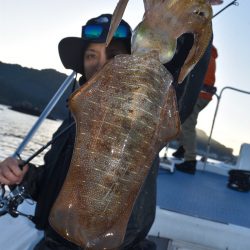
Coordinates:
[124,115]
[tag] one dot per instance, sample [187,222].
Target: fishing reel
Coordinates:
[10,200]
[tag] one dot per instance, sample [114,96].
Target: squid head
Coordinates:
[163,23]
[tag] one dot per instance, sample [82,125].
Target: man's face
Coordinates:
[96,55]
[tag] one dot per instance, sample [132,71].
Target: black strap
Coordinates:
[209,89]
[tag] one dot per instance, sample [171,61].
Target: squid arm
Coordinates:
[116,19]
[118,14]
[201,41]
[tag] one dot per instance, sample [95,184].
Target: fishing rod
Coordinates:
[45,113]
[10,202]
[27,161]
[230,4]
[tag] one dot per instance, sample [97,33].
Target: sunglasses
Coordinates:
[95,31]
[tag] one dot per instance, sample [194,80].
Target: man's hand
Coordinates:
[10,172]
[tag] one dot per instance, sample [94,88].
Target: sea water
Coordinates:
[14,126]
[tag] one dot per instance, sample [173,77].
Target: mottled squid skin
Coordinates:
[125,114]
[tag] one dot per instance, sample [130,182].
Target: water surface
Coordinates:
[13,128]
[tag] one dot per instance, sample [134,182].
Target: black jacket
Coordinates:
[188,91]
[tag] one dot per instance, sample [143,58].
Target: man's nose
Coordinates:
[101,64]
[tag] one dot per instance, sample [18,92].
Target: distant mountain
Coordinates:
[29,90]
[217,150]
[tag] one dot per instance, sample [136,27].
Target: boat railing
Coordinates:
[215,116]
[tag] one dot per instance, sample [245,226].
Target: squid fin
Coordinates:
[169,118]
[116,19]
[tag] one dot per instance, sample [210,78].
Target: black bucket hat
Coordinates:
[71,49]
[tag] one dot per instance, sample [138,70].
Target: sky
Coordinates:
[31,30]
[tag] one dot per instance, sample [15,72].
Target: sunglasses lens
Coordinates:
[121,32]
[93,31]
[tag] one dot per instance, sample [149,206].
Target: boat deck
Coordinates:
[199,212]
[204,195]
